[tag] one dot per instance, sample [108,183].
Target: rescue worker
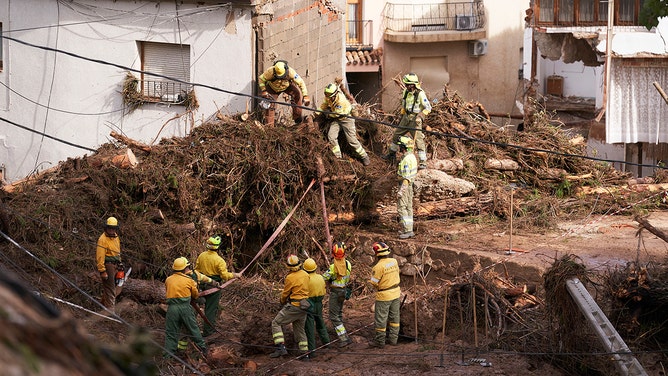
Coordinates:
[338,276]
[295,304]
[338,118]
[385,279]
[314,321]
[213,266]
[406,171]
[180,290]
[415,107]
[108,260]
[202,282]
[278,79]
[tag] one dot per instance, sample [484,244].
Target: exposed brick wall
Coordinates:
[307,34]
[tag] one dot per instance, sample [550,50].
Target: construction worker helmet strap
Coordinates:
[111,222]
[281,69]
[310,265]
[293,262]
[380,249]
[406,142]
[213,242]
[180,264]
[410,79]
[339,250]
[331,90]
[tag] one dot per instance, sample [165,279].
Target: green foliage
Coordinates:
[563,189]
[651,11]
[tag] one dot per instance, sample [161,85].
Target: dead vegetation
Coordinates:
[240,180]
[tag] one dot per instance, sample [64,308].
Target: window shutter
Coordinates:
[170,60]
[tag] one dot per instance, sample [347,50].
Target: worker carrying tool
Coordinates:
[338,109]
[180,289]
[338,276]
[385,279]
[279,79]
[295,304]
[406,171]
[108,260]
[415,107]
[213,266]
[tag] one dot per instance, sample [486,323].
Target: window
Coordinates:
[586,12]
[169,60]
[354,22]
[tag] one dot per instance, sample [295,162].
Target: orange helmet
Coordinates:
[339,250]
[380,249]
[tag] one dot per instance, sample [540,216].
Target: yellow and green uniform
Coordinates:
[338,276]
[107,258]
[213,266]
[340,107]
[314,320]
[406,171]
[295,290]
[180,288]
[385,279]
[292,84]
[412,103]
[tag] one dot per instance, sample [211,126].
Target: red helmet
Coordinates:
[339,250]
[380,249]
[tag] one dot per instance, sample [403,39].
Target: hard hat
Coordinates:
[310,265]
[406,142]
[180,264]
[410,79]
[331,90]
[380,249]
[339,250]
[213,242]
[293,263]
[111,222]
[280,69]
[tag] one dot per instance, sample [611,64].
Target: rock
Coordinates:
[434,185]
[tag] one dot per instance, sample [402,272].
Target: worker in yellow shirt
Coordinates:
[385,279]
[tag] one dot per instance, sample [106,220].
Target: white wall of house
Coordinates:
[79,101]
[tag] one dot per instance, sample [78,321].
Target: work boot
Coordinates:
[407,235]
[345,341]
[390,156]
[366,161]
[305,358]
[377,345]
[422,165]
[280,351]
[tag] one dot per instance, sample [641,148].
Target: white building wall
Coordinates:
[79,101]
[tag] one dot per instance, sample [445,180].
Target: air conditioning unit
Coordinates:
[478,47]
[464,22]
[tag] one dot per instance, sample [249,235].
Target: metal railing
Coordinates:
[165,91]
[461,16]
[359,33]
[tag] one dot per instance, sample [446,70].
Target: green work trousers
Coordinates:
[296,316]
[315,323]
[336,298]
[179,314]
[387,314]
[211,309]
[405,208]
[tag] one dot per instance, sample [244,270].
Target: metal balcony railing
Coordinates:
[359,34]
[165,91]
[461,16]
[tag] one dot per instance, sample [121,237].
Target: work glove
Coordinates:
[355,111]
[307,100]
[104,276]
[264,94]
[419,119]
[401,191]
[237,275]
[215,284]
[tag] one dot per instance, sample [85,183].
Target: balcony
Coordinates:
[359,35]
[165,91]
[424,23]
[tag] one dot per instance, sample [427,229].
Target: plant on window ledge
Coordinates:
[190,101]
[132,98]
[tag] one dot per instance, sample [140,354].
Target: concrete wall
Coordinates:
[79,101]
[491,79]
[309,36]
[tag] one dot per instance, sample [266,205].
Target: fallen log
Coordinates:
[130,142]
[143,291]
[446,165]
[124,160]
[646,225]
[501,164]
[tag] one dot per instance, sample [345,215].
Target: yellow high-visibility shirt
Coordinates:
[296,287]
[180,285]
[316,285]
[385,278]
[211,264]
[106,247]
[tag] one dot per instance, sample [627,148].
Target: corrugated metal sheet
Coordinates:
[637,112]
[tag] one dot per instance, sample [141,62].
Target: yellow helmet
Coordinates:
[281,69]
[410,79]
[380,249]
[180,264]
[293,263]
[310,265]
[331,90]
[406,142]
[213,242]
[111,222]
